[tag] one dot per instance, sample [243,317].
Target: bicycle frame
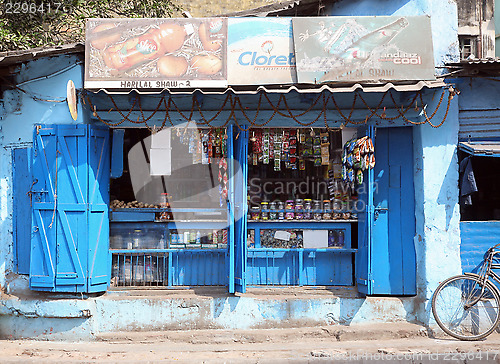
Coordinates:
[487,273]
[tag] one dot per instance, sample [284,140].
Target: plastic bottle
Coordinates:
[154,43]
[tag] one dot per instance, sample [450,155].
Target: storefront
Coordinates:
[241,185]
[107,202]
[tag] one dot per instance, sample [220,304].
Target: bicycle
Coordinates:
[467,306]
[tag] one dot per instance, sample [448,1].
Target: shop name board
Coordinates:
[220,52]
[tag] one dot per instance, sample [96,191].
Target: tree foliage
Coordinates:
[33,23]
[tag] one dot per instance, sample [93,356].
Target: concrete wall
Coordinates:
[437,213]
[443,15]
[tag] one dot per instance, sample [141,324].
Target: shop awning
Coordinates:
[481,149]
[379,87]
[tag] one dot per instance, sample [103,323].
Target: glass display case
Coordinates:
[169,214]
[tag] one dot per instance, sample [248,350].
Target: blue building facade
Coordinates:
[57,177]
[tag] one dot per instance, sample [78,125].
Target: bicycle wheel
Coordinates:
[450,307]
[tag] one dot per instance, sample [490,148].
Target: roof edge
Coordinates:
[12,57]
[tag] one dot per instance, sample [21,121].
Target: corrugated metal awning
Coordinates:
[481,149]
[378,87]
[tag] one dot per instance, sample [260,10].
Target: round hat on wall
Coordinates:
[71,99]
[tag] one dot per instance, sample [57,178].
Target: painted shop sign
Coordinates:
[219,52]
[260,51]
[156,53]
[347,49]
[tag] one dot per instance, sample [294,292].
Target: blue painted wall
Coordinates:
[437,240]
[21,111]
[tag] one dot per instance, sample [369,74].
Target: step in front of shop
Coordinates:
[197,309]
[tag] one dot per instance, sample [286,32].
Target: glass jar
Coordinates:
[264,210]
[327,210]
[281,210]
[255,212]
[317,214]
[136,239]
[165,204]
[273,214]
[299,206]
[307,209]
[289,210]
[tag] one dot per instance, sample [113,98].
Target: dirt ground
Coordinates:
[387,342]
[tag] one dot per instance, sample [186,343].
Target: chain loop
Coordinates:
[235,104]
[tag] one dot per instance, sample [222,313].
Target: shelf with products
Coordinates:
[160,237]
[306,234]
[194,215]
[167,253]
[296,196]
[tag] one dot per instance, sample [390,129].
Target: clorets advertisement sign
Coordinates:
[371,49]
[221,52]
[260,51]
[155,53]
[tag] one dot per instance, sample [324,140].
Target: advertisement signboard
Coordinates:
[192,53]
[155,53]
[260,51]
[356,49]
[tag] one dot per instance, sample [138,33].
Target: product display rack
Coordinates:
[148,264]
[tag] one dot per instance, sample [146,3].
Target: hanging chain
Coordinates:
[236,105]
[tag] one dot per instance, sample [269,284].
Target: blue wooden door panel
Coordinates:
[240,176]
[22,215]
[42,267]
[43,238]
[393,251]
[363,264]
[99,258]
[71,187]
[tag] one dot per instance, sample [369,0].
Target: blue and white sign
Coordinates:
[260,51]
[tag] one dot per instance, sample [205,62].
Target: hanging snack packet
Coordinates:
[277,160]
[371,148]
[325,155]
[324,139]
[359,177]
[371,164]
[265,148]
[302,164]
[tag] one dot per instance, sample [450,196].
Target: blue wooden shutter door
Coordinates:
[99,174]
[240,202]
[43,238]
[70,198]
[363,266]
[393,250]
[22,178]
[71,188]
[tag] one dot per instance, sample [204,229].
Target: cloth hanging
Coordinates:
[468,182]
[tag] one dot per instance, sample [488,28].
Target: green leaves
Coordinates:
[34,23]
